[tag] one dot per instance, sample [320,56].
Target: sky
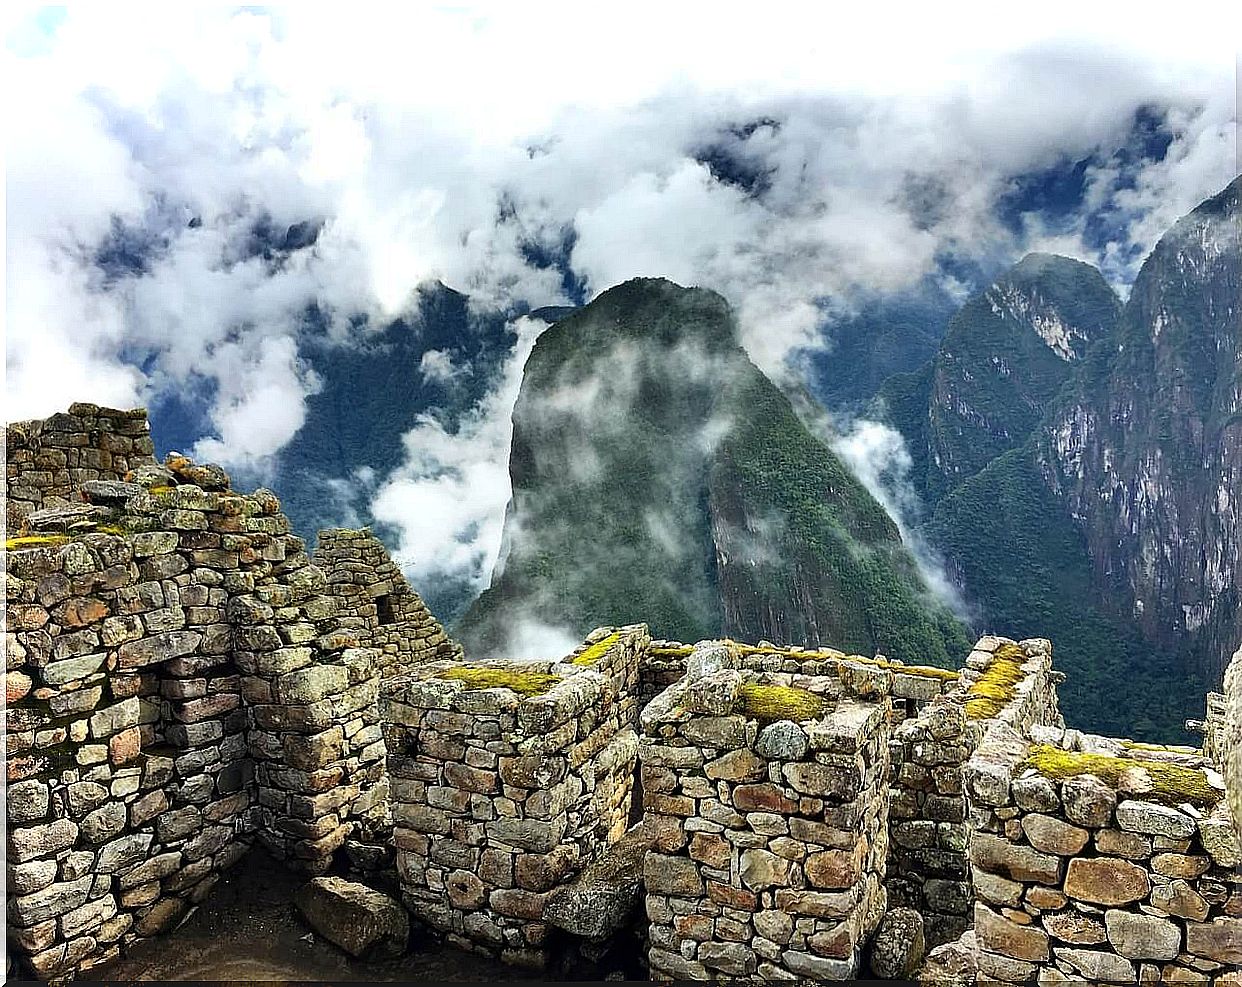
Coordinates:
[793,157]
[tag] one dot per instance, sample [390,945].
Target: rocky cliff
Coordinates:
[1146,453]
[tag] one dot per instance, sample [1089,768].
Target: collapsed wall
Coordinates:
[47,460]
[378,605]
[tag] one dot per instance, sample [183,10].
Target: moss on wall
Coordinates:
[1172,784]
[524,683]
[779,702]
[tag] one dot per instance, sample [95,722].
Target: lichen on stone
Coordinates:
[1172,784]
[778,702]
[597,650]
[992,691]
[524,683]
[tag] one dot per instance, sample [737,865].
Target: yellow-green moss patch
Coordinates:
[522,682]
[992,691]
[681,651]
[19,542]
[597,650]
[1172,783]
[1136,745]
[778,702]
[926,671]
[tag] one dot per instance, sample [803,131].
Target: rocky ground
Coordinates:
[250,930]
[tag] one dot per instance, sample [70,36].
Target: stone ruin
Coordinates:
[184,681]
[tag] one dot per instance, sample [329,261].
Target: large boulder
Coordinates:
[362,921]
[898,946]
[606,896]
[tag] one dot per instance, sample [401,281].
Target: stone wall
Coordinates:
[928,869]
[176,685]
[1101,860]
[765,794]
[378,605]
[49,459]
[509,778]
[1222,733]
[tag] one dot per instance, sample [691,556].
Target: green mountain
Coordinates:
[658,475]
[1083,466]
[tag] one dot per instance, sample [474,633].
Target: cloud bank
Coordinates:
[184,184]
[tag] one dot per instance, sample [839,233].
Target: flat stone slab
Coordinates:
[605,896]
[359,919]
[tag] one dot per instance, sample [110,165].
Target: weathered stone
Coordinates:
[39,841]
[728,957]
[1106,881]
[1097,966]
[1000,935]
[1116,843]
[671,875]
[27,801]
[1053,835]
[996,889]
[1146,817]
[1088,801]
[123,852]
[1075,927]
[761,869]
[899,945]
[56,899]
[739,765]
[1219,940]
[834,869]
[1019,862]
[362,921]
[1140,937]
[783,740]
[1180,899]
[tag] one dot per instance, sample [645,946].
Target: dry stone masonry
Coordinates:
[766,792]
[184,681]
[506,779]
[377,603]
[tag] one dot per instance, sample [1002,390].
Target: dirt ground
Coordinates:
[249,930]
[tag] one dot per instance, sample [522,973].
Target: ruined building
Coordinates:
[184,681]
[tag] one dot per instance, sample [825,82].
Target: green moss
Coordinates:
[522,682]
[1163,748]
[597,650]
[778,702]
[681,651]
[19,542]
[993,690]
[1172,783]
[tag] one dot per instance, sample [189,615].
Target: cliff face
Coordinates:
[1005,355]
[658,475]
[1146,451]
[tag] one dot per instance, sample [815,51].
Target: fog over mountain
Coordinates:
[238,217]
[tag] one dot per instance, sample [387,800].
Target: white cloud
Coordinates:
[438,365]
[447,501]
[439,142]
[877,455]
